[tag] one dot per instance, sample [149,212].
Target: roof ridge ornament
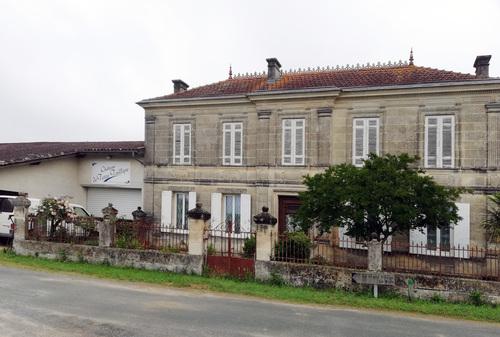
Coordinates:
[411,57]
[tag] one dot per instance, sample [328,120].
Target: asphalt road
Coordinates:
[46,304]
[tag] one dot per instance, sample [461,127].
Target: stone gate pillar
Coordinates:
[21,206]
[107,227]
[264,239]
[197,224]
[375,255]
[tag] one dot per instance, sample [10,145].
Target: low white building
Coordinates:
[93,174]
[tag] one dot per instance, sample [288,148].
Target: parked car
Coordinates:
[7,213]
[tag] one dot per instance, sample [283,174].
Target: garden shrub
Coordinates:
[295,246]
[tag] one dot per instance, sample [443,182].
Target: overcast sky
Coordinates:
[73,70]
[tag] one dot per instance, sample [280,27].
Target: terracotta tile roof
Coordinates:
[17,153]
[342,78]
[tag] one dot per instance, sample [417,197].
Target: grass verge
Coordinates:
[261,290]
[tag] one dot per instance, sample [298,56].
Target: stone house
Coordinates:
[248,140]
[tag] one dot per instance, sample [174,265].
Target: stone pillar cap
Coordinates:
[109,210]
[264,218]
[198,213]
[21,201]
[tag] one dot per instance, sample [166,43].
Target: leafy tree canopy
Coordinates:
[387,195]
[492,224]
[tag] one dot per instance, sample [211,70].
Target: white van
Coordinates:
[7,212]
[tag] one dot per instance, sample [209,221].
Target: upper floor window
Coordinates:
[364,139]
[232,144]
[293,142]
[439,141]
[182,144]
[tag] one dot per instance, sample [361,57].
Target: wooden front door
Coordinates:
[288,206]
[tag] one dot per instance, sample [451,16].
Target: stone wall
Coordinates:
[333,277]
[144,259]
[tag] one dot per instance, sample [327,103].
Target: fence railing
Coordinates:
[225,242]
[150,235]
[80,231]
[469,262]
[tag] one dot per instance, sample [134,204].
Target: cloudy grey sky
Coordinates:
[73,70]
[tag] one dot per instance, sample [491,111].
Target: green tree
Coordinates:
[385,196]
[492,223]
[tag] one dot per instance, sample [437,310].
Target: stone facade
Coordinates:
[328,114]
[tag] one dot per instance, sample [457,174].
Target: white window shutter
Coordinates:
[287,146]
[447,142]
[166,209]
[461,231]
[177,143]
[227,144]
[299,142]
[216,209]
[238,145]
[187,144]
[431,140]
[372,136]
[246,212]
[358,141]
[192,200]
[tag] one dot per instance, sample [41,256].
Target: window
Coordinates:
[6,205]
[233,208]
[293,142]
[232,211]
[181,209]
[439,238]
[445,241]
[364,139]
[439,141]
[232,144]
[182,144]
[174,208]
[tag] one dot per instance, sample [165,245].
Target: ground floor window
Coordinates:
[438,237]
[232,211]
[181,209]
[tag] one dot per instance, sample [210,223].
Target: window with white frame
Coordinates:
[439,141]
[234,208]
[181,200]
[232,144]
[232,211]
[174,208]
[451,240]
[365,140]
[293,142]
[182,144]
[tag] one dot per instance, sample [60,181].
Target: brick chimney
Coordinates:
[482,65]
[273,70]
[179,86]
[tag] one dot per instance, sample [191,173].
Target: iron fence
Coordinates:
[461,261]
[224,241]
[150,235]
[80,231]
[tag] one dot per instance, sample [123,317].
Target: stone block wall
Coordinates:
[143,259]
[299,275]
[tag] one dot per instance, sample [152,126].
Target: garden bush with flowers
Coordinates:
[55,212]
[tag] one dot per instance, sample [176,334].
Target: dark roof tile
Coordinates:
[17,153]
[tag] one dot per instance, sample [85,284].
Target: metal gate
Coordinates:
[230,253]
